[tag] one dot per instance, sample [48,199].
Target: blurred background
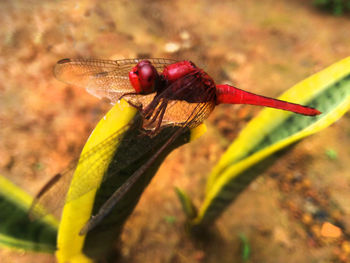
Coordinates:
[262,46]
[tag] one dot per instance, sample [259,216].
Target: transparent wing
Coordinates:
[52,196]
[119,193]
[102,78]
[190,104]
[182,110]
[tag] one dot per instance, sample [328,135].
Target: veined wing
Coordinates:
[53,195]
[185,108]
[102,78]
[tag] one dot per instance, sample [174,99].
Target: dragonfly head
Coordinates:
[144,77]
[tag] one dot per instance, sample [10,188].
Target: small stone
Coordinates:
[315,230]
[239,58]
[281,237]
[306,183]
[330,230]
[345,246]
[172,47]
[310,207]
[306,218]
[184,35]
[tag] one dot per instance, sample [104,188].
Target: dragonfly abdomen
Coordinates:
[226,94]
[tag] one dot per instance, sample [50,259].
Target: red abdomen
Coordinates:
[226,94]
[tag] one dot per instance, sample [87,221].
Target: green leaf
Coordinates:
[331,154]
[115,168]
[17,231]
[245,247]
[186,203]
[170,219]
[337,7]
[273,130]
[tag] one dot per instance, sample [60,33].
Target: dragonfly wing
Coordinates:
[53,195]
[118,194]
[132,147]
[186,108]
[102,78]
[186,114]
[50,199]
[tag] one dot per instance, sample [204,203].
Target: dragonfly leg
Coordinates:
[160,119]
[160,109]
[138,107]
[127,94]
[156,117]
[148,111]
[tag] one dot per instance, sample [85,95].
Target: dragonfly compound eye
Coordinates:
[143,77]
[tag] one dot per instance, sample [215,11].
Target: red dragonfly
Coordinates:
[166,92]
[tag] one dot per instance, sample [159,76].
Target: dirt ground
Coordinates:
[263,46]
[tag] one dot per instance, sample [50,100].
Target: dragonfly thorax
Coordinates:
[177,70]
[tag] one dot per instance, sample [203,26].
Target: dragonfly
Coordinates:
[166,93]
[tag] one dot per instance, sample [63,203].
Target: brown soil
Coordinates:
[263,46]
